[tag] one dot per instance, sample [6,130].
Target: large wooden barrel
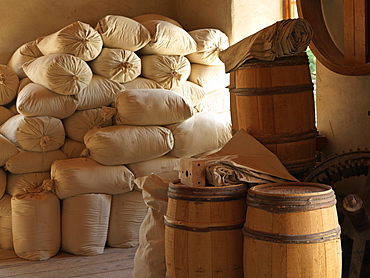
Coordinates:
[274,102]
[292,230]
[204,231]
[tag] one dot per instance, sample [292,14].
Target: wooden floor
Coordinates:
[115,262]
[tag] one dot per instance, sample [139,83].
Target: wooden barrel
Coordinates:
[292,230]
[204,231]
[273,101]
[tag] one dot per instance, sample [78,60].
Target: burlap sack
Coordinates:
[142,83]
[117,64]
[3,182]
[36,100]
[204,132]
[5,114]
[217,101]
[6,236]
[146,17]
[124,144]
[9,82]
[192,92]
[167,39]
[64,74]
[150,260]
[78,39]
[36,134]
[7,150]
[210,78]
[168,71]
[151,107]
[210,42]
[17,183]
[72,148]
[122,32]
[85,221]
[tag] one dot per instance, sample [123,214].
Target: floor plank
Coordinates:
[114,262]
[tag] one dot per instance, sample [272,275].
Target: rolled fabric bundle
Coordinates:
[284,38]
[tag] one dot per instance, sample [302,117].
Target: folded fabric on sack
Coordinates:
[283,38]
[244,159]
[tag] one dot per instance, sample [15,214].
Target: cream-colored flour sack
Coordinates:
[3,182]
[201,133]
[209,43]
[122,32]
[17,183]
[29,162]
[192,92]
[85,220]
[36,224]
[142,83]
[36,134]
[74,176]
[169,71]
[64,74]
[150,261]
[151,107]
[127,213]
[117,64]
[82,121]
[100,92]
[146,17]
[217,101]
[22,83]
[165,166]
[36,100]
[167,39]
[124,144]
[6,236]
[9,82]
[78,39]
[23,54]
[72,148]
[7,150]
[5,114]
[210,78]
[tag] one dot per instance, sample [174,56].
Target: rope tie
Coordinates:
[44,141]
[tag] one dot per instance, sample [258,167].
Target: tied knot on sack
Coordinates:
[33,190]
[44,141]
[75,77]
[126,66]
[107,113]
[48,185]
[2,79]
[176,75]
[85,153]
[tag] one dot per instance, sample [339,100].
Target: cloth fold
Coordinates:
[284,38]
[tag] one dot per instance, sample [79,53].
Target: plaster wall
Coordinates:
[342,102]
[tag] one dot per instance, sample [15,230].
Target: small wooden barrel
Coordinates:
[273,101]
[292,230]
[204,231]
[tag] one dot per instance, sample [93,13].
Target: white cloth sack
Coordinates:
[142,83]
[71,177]
[117,64]
[23,54]
[29,162]
[36,100]
[7,150]
[204,132]
[150,260]
[64,74]
[85,221]
[284,38]
[210,42]
[78,39]
[167,39]
[165,167]
[17,183]
[192,92]
[127,213]
[3,182]
[36,134]
[210,78]
[9,82]
[6,236]
[32,238]
[72,148]
[151,107]
[217,101]
[122,32]
[100,92]
[5,114]
[79,123]
[168,71]
[124,144]
[146,17]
